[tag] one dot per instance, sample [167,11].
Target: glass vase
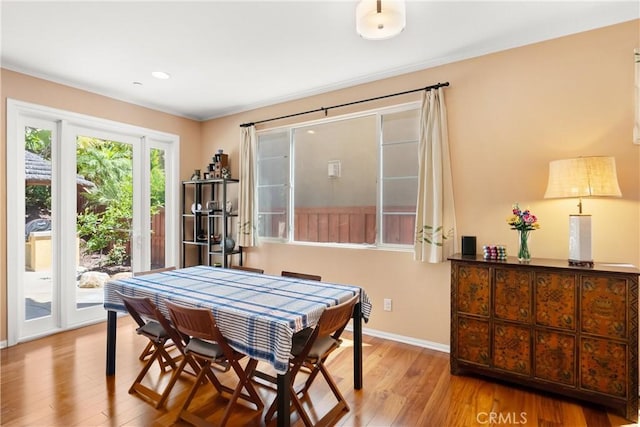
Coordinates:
[523,246]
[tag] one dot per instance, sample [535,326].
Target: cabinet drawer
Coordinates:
[473,290]
[512,348]
[555,300]
[555,357]
[473,340]
[512,295]
[603,366]
[603,305]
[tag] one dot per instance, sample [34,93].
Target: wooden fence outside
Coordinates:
[158,240]
[352,224]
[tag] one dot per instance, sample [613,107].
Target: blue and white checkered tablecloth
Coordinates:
[257,313]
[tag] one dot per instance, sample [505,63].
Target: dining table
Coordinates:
[258,314]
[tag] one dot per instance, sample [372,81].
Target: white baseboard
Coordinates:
[378,334]
[403,339]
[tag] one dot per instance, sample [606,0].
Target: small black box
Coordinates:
[468,245]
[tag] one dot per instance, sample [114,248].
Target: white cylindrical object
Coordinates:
[388,22]
[580,238]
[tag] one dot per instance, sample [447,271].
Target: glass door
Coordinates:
[91,201]
[104,217]
[39,296]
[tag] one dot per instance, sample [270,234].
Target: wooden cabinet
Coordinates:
[567,330]
[208,227]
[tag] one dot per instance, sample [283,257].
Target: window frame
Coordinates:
[379,197]
[286,186]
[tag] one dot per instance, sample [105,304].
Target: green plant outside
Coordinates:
[105,222]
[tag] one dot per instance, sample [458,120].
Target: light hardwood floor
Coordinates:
[60,381]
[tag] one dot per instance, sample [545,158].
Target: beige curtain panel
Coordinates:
[436,236]
[636,128]
[246,199]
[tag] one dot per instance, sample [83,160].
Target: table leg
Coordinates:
[357,347]
[284,399]
[112,321]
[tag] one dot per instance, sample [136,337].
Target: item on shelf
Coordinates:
[213,205]
[196,175]
[524,222]
[229,244]
[219,168]
[495,252]
[469,245]
[229,207]
[196,207]
[217,158]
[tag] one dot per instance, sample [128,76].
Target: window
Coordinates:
[350,180]
[273,184]
[399,154]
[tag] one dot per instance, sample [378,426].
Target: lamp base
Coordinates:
[580,238]
[575,263]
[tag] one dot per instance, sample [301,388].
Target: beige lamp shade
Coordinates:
[380,19]
[583,177]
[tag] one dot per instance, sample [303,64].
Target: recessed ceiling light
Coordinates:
[311,131]
[137,83]
[160,75]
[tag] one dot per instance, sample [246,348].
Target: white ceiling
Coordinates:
[231,56]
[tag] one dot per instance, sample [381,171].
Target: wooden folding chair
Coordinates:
[245,268]
[153,325]
[304,276]
[206,346]
[148,350]
[310,348]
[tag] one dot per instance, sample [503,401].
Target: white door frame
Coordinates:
[20,113]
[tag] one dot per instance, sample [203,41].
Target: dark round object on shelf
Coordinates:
[229,244]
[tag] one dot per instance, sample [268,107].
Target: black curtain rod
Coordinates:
[326,109]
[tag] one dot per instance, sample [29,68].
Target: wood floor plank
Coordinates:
[421,380]
[59,381]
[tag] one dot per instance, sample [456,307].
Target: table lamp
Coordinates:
[582,177]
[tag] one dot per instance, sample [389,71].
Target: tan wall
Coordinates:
[510,113]
[28,89]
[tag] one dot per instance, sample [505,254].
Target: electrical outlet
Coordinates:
[387,304]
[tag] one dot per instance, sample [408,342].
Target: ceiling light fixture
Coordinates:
[380,20]
[160,75]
